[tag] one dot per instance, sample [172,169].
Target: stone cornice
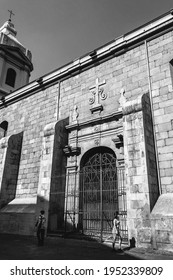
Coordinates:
[120,45]
[117,115]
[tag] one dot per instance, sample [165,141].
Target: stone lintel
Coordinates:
[97,120]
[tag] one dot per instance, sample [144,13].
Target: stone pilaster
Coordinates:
[3,152]
[72,192]
[140,166]
[71,198]
[9,166]
[45,169]
[51,188]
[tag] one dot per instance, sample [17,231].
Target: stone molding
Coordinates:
[98,120]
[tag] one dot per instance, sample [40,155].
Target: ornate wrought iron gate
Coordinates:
[101,193]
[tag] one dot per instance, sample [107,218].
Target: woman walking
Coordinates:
[116,231]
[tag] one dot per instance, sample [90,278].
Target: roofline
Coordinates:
[163,23]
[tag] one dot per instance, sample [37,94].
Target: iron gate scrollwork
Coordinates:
[101,194]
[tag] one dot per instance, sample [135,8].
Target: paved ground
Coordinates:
[15,247]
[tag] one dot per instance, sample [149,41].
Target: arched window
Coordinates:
[3,129]
[11,77]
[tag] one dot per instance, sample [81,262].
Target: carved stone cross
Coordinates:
[97,93]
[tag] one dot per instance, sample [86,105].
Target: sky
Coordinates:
[60,31]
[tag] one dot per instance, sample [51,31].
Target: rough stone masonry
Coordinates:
[117,99]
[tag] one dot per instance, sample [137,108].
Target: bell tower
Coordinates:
[15,60]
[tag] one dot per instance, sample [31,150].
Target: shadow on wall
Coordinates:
[150,151]
[18,216]
[58,178]
[12,149]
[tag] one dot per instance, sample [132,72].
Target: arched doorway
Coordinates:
[100,194]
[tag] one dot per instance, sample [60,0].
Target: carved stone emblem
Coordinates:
[96,128]
[97,142]
[97,94]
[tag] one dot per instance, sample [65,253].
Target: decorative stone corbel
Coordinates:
[71,151]
[118,141]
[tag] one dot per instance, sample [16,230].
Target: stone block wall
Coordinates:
[128,71]
[162,223]
[18,216]
[52,179]
[140,164]
[29,116]
[160,57]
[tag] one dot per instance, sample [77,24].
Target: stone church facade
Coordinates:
[91,138]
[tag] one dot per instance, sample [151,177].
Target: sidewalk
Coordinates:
[149,254]
[16,247]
